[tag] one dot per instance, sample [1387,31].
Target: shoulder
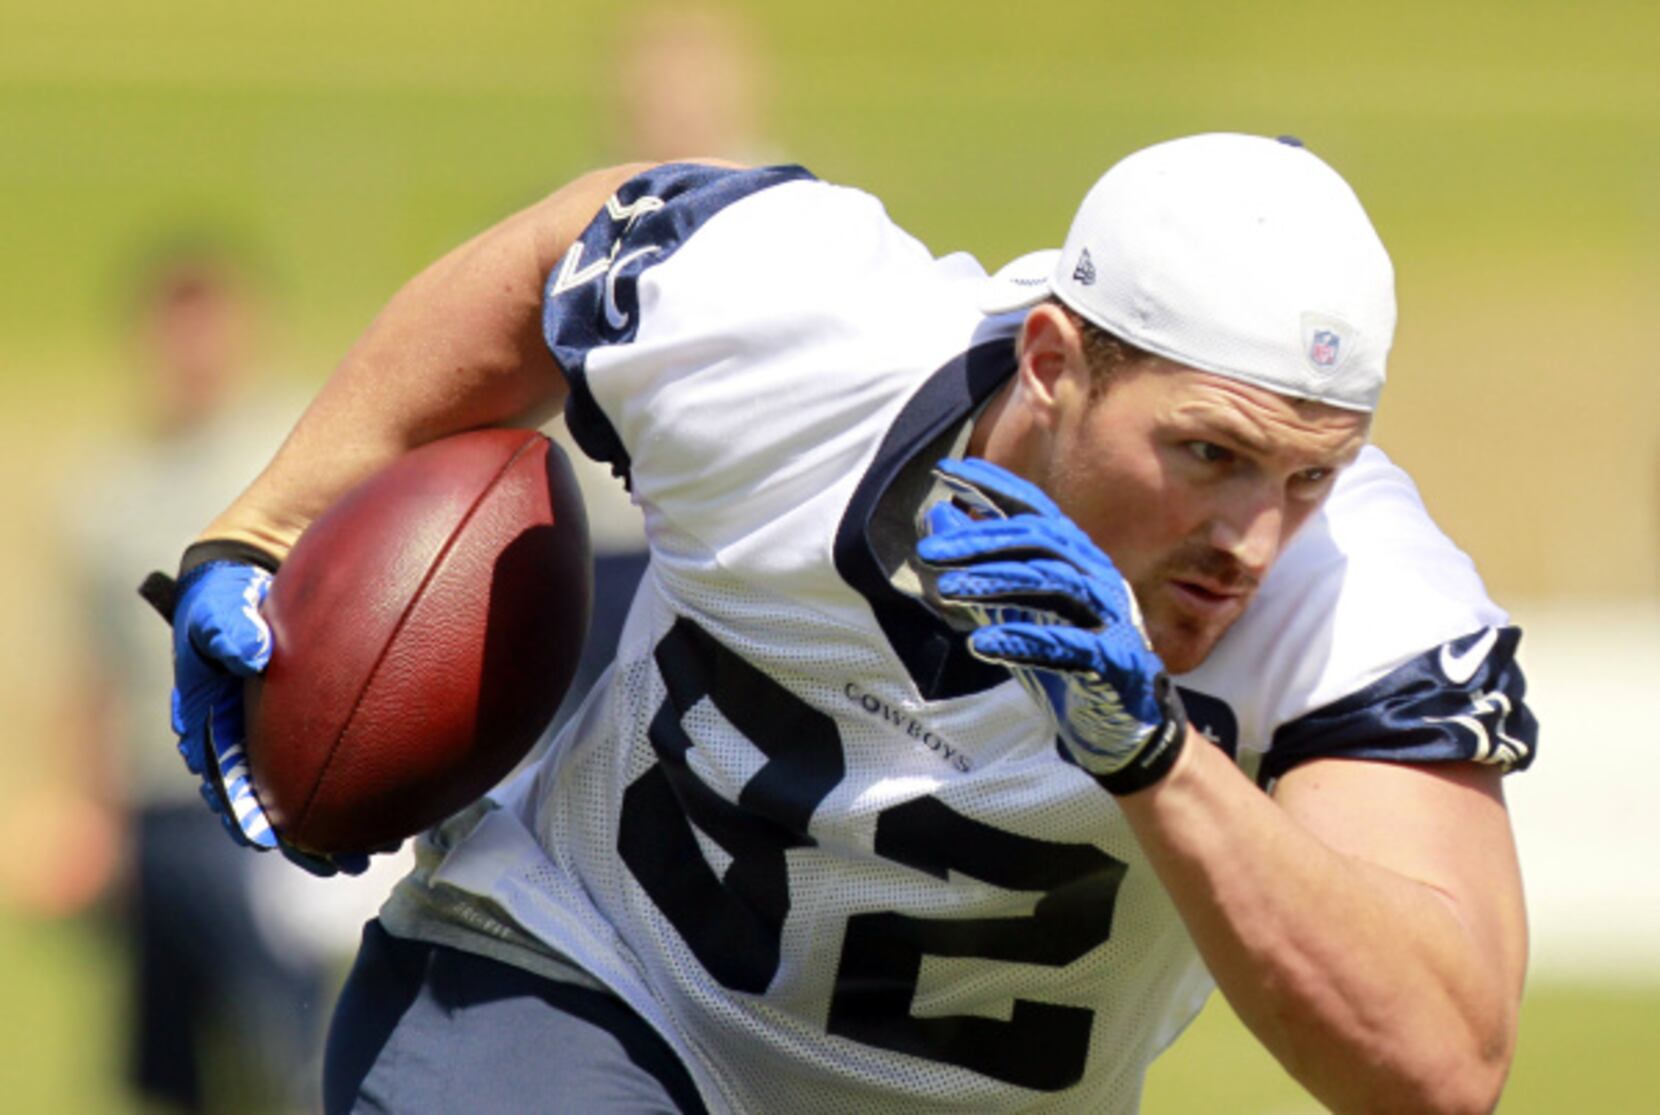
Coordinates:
[746,333]
[731,218]
[688,252]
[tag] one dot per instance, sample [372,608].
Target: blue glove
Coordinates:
[219,640]
[1053,609]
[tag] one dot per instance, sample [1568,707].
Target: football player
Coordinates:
[1017,655]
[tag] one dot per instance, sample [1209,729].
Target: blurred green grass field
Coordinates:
[1509,152]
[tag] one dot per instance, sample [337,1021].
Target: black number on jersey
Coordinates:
[733,923]
[1041,1046]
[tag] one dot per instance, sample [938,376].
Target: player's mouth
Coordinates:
[1208,600]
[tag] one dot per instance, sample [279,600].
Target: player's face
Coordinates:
[1193,484]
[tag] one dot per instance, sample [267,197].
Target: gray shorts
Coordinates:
[422,1028]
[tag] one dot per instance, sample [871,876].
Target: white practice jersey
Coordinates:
[838,862]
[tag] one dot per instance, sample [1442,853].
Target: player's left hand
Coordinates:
[220,639]
[1053,608]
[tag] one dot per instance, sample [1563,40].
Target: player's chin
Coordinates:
[1184,641]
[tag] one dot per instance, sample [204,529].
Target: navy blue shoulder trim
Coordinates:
[1461,702]
[591,298]
[935,655]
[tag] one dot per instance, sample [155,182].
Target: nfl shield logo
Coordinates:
[1325,347]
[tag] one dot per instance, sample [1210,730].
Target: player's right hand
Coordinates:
[219,640]
[1052,608]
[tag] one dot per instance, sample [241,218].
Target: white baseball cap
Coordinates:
[1238,255]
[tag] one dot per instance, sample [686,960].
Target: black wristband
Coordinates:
[225,549]
[1155,760]
[161,592]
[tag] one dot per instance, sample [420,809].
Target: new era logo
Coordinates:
[1084,273]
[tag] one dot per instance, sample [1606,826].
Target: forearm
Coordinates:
[459,347]
[1370,986]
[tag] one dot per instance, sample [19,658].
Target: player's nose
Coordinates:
[1251,535]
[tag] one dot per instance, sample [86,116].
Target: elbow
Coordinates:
[1464,1078]
[1458,1060]
[1440,1070]
[1482,1074]
[1472,1090]
[1482,1061]
[1461,1089]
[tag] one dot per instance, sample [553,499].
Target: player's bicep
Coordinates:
[480,307]
[460,345]
[1442,825]
[1405,775]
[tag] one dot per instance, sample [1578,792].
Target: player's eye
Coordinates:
[1209,452]
[1311,483]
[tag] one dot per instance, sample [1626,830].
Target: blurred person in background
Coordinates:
[226,1005]
[689,81]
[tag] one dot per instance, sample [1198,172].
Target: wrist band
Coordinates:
[161,592]
[225,549]
[1156,759]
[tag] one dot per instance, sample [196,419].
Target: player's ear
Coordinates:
[1050,348]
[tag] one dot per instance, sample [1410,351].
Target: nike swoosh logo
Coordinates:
[1462,666]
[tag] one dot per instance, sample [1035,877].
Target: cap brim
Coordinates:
[1020,283]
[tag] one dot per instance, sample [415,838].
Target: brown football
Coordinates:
[425,629]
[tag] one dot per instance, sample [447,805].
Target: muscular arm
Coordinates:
[459,347]
[1366,923]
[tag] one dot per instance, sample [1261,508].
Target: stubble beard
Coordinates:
[1181,640]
